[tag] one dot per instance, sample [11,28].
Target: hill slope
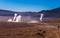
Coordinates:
[53,13]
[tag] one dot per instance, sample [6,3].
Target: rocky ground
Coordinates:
[46,29]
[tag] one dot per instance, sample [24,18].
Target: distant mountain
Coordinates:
[6,13]
[53,13]
[11,13]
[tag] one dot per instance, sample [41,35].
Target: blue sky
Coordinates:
[28,5]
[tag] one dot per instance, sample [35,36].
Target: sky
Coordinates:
[29,5]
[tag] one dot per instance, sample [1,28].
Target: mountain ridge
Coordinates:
[54,13]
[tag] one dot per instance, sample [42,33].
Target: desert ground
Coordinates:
[45,29]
